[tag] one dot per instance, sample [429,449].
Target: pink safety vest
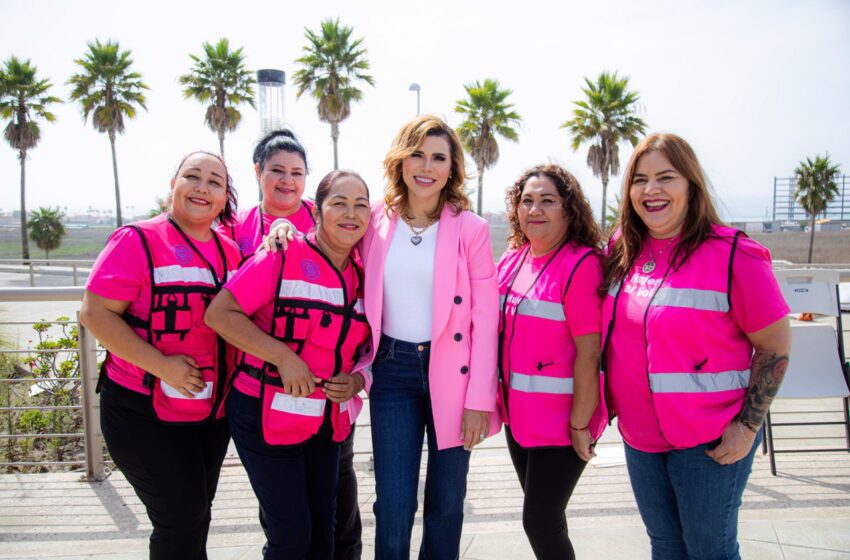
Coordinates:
[183,283]
[698,359]
[322,320]
[536,361]
[248,232]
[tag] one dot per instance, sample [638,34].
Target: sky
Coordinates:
[754,86]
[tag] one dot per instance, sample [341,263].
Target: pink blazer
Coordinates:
[464,335]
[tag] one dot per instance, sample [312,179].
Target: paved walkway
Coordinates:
[802,513]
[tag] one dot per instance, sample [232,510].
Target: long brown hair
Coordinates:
[408,140]
[700,215]
[581,227]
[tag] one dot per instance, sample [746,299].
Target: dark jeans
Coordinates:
[348,544]
[548,476]
[173,470]
[401,414]
[295,485]
[689,502]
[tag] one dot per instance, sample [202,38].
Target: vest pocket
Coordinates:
[288,420]
[170,405]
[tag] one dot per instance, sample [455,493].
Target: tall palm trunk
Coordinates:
[480,188]
[25,241]
[335,136]
[811,239]
[221,143]
[119,222]
[604,198]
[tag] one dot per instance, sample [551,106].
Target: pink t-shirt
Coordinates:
[121,273]
[254,287]
[248,236]
[756,303]
[582,304]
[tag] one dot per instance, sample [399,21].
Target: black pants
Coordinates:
[296,485]
[173,469]
[548,476]
[348,543]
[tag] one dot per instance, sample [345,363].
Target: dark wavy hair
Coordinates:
[408,140]
[281,140]
[701,213]
[229,211]
[581,227]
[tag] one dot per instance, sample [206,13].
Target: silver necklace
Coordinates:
[416,238]
[649,265]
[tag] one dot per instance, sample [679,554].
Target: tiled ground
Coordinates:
[802,513]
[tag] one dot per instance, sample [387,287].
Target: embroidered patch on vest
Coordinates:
[182,253]
[245,244]
[310,269]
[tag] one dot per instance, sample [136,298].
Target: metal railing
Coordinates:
[86,404]
[73,267]
[77,383]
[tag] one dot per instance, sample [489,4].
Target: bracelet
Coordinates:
[579,429]
[753,429]
[741,425]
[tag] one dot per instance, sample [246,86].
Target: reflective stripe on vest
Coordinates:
[540,309]
[540,384]
[187,275]
[691,298]
[699,382]
[551,310]
[302,289]
[298,405]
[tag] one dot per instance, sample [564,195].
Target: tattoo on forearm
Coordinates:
[766,373]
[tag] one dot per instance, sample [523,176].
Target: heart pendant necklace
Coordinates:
[417,232]
[649,265]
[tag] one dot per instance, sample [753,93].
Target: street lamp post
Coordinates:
[270,92]
[415,87]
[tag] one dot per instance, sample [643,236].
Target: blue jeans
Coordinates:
[296,485]
[688,502]
[401,414]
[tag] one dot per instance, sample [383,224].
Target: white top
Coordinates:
[409,285]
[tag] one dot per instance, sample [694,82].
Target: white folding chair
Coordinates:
[817,365]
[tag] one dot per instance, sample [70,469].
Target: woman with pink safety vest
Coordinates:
[549,347]
[280,162]
[297,319]
[696,345]
[163,381]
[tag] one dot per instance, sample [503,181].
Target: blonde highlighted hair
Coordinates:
[408,140]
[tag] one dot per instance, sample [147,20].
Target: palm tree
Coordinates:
[23,100]
[219,78]
[487,115]
[46,228]
[816,188]
[108,91]
[605,118]
[333,63]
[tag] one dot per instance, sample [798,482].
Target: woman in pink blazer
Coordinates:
[432,301]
